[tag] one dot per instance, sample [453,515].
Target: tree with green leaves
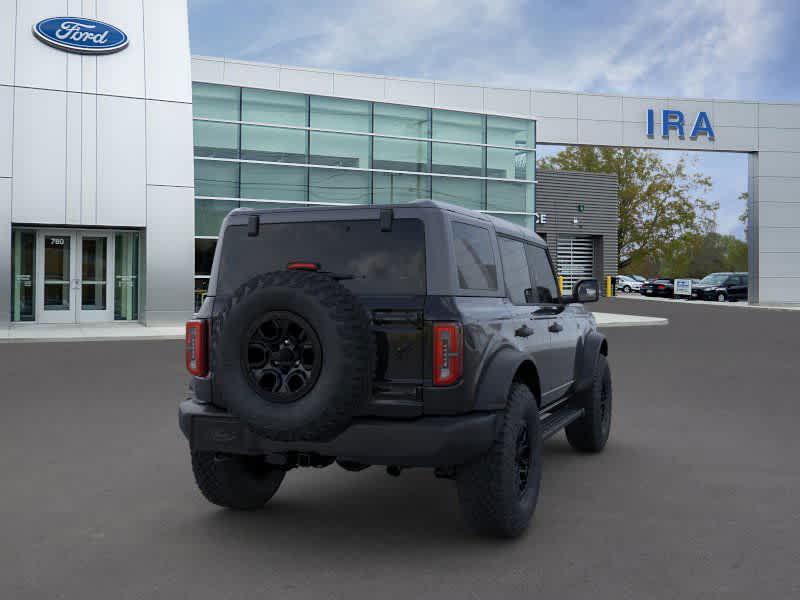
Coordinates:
[660,202]
[695,255]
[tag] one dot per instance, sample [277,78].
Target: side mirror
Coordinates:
[585,290]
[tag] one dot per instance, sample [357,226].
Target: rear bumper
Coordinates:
[423,442]
[705,295]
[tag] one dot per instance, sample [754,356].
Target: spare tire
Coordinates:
[292,355]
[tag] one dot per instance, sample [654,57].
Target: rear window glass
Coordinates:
[475,261]
[381,262]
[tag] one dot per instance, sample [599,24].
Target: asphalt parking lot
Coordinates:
[696,496]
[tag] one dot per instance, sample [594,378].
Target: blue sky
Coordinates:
[740,49]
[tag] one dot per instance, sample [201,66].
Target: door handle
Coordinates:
[555,327]
[523,331]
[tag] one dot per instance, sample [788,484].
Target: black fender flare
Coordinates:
[498,374]
[594,345]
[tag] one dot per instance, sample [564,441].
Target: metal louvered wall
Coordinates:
[588,247]
[575,259]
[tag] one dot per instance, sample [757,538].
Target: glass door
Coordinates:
[94,291]
[56,277]
[74,276]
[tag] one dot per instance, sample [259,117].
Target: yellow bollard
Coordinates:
[608,286]
[561,285]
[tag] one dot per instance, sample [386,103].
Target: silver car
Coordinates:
[628,284]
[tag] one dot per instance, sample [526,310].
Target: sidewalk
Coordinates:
[88,332]
[21,332]
[738,304]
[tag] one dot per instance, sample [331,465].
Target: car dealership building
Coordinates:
[120,154]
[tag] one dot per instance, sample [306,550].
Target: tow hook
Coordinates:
[394,470]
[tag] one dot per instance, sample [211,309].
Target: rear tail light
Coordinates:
[448,353]
[661,287]
[303,266]
[197,347]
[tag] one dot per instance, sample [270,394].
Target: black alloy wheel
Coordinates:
[523,458]
[590,432]
[605,407]
[292,353]
[283,356]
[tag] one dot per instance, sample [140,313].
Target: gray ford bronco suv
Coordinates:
[416,335]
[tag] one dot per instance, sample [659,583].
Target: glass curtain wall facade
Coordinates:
[264,148]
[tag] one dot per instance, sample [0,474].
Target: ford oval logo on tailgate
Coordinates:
[76,34]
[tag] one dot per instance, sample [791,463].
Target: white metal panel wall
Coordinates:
[8,24]
[88,159]
[5,248]
[121,171]
[775,208]
[74,159]
[169,144]
[36,64]
[166,36]
[6,129]
[39,156]
[99,140]
[511,102]
[169,262]
[121,73]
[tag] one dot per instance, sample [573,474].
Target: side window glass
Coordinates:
[544,281]
[515,270]
[475,260]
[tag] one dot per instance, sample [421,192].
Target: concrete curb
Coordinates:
[137,332]
[605,320]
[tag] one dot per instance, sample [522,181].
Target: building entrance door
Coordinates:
[74,272]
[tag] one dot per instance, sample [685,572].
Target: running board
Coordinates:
[556,421]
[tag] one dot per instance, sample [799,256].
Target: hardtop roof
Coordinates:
[500,225]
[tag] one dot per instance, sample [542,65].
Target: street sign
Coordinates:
[683,287]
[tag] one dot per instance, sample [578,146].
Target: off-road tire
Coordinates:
[489,490]
[235,481]
[590,432]
[343,328]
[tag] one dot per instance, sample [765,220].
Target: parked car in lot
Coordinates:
[722,287]
[663,288]
[628,284]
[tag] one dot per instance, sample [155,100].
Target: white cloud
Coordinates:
[339,35]
[687,47]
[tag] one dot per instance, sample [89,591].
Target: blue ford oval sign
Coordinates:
[76,34]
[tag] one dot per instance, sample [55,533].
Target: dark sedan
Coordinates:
[663,288]
[722,287]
